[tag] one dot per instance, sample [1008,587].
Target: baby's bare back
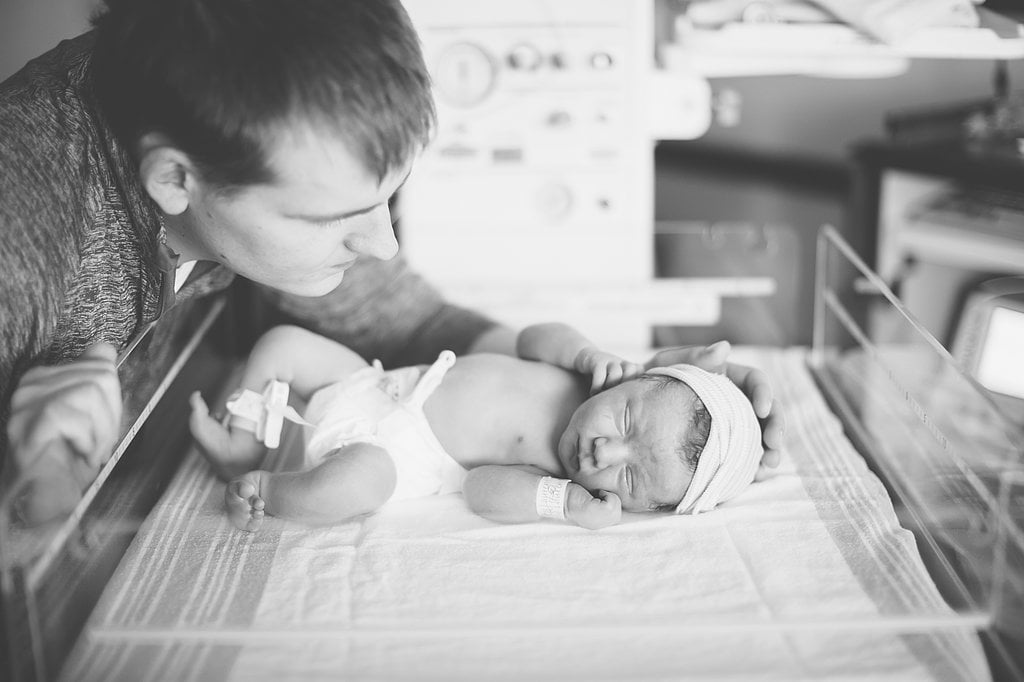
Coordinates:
[496,409]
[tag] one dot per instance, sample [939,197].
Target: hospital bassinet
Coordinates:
[887,546]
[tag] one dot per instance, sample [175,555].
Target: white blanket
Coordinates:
[806,575]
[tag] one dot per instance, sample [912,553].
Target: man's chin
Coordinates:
[312,289]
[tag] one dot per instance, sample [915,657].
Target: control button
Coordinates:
[525,57]
[559,119]
[601,61]
[464,74]
[554,200]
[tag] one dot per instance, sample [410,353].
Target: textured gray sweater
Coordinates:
[79,245]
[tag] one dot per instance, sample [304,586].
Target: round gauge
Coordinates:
[464,74]
[554,201]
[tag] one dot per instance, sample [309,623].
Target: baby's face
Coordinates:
[626,440]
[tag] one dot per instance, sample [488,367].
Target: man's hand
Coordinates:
[753,382]
[591,512]
[606,369]
[65,420]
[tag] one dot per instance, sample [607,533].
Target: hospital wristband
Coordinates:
[551,497]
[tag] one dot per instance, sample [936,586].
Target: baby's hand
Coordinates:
[231,452]
[591,512]
[607,369]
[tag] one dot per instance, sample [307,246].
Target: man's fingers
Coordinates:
[755,385]
[773,430]
[716,354]
[760,394]
[771,458]
[710,358]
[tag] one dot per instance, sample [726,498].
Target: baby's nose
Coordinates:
[608,452]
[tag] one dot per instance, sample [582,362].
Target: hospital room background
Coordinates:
[678,168]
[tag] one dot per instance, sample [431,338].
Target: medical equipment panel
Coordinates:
[536,197]
[540,141]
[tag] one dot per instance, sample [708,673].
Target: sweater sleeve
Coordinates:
[37,246]
[384,310]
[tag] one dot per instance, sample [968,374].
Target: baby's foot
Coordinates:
[245,506]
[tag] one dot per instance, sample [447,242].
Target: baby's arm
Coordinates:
[508,494]
[561,345]
[304,360]
[356,479]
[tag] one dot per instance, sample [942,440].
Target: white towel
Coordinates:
[425,589]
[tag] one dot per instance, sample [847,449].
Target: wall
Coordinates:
[784,168]
[30,27]
[819,117]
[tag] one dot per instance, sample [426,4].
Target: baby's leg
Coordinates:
[356,479]
[305,360]
[230,452]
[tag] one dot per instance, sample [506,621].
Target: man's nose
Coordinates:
[375,235]
[608,452]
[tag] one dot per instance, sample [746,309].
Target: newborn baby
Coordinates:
[522,439]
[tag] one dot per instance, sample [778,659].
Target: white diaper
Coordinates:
[386,409]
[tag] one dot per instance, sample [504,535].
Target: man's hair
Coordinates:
[690,448]
[220,77]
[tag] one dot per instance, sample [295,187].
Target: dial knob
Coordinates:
[525,57]
[464,74]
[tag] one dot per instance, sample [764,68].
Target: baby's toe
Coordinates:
[255,521]
[245,489]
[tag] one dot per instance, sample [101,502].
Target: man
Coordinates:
[183,142]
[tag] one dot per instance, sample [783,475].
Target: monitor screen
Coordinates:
[1001,355]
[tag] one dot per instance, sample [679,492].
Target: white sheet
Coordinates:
[807,575]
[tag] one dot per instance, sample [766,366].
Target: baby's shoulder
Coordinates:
[507,373]
[497,362]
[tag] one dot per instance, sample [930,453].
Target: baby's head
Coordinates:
[673,438]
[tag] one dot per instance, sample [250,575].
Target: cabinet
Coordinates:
[937,219]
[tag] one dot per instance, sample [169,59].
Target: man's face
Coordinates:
[625,440]
[300,232]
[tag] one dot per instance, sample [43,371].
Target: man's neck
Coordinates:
[176,233]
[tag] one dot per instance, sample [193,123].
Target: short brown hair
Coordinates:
[218,77]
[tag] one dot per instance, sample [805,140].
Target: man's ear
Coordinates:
[167,173]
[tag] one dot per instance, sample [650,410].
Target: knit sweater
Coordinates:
[79,245]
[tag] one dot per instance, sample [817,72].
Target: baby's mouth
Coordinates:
[574,461]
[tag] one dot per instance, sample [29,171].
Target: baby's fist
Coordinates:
[591,512]
[606,369]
